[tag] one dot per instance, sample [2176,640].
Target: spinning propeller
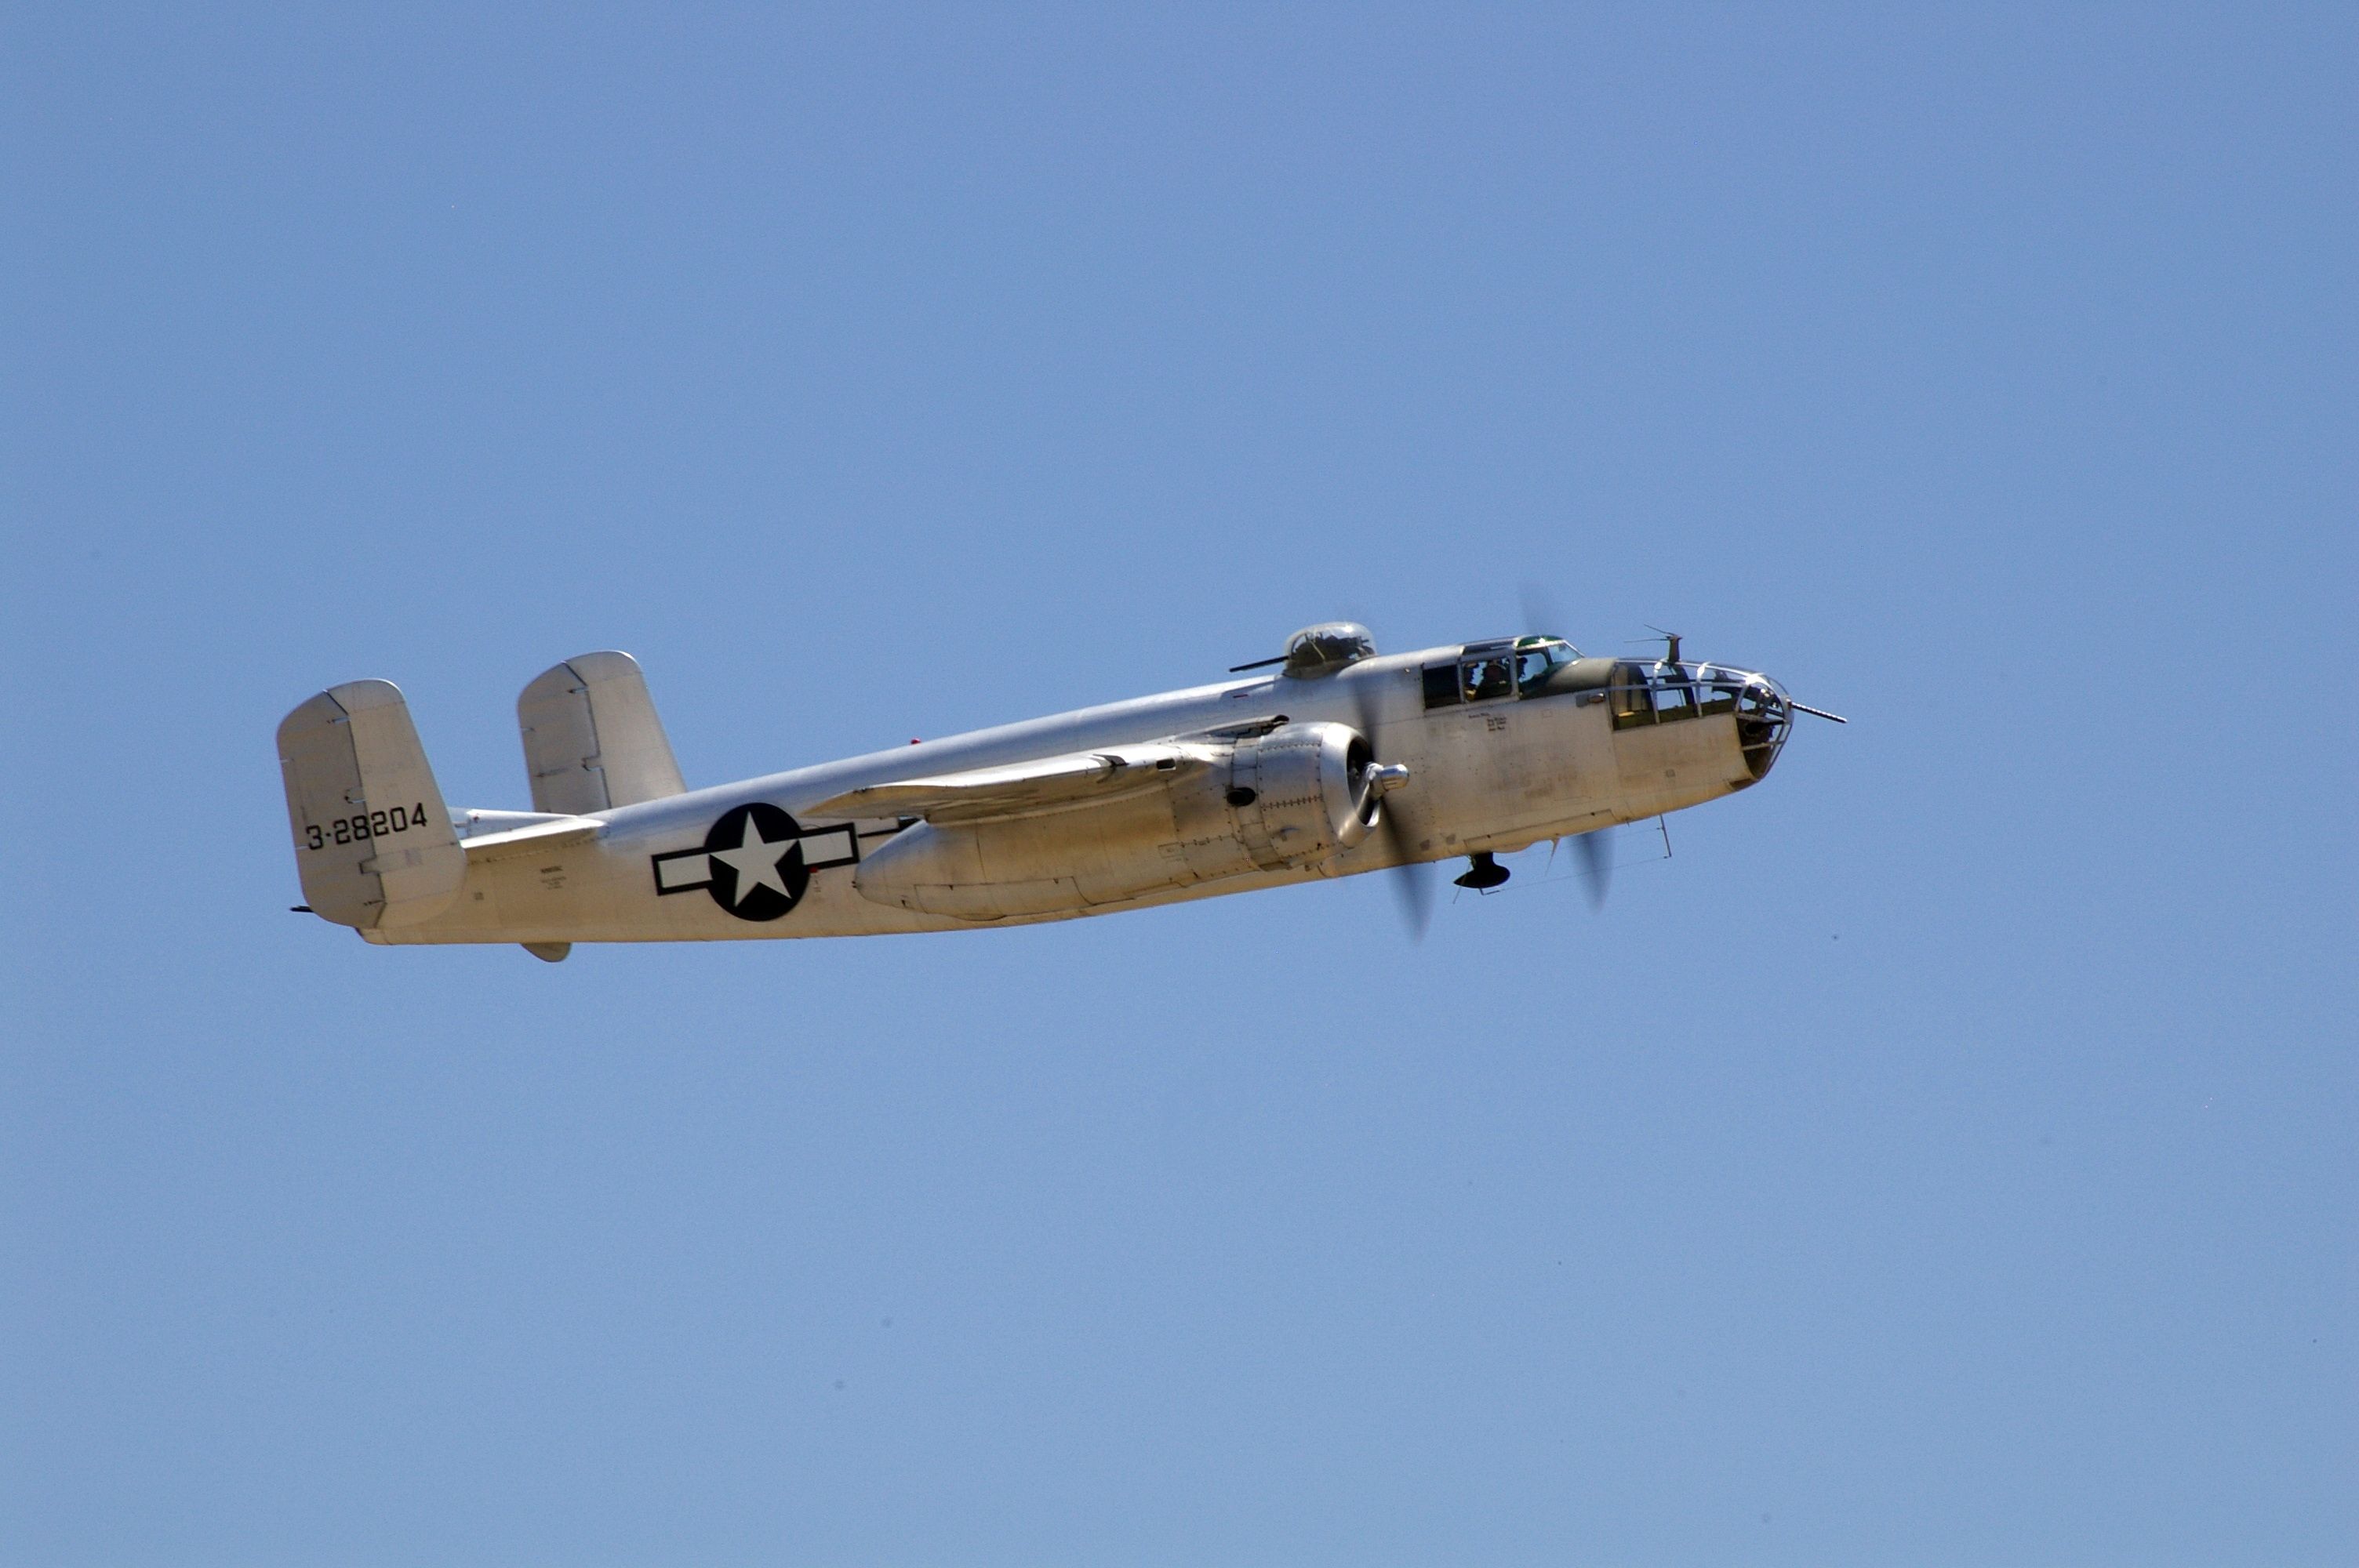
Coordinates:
[1593,850]
[1409,878]
[1597,854]
[1328,649]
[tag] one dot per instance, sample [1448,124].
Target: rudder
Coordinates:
[592,740]
[373,843]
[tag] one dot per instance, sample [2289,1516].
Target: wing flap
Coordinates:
[1022,789]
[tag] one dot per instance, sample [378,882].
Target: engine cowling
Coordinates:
[1292,798]
[1300,793]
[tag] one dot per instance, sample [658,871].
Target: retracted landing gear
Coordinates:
[1485,874]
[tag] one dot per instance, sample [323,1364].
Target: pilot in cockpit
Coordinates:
[1489,677]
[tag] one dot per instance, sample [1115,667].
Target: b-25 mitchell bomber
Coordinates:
[1327,760]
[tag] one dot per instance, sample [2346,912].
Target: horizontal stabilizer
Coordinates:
[551,833]
[373,842]
[1051,783]
[592,740]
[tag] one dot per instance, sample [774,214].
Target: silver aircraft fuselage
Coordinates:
[1487,770]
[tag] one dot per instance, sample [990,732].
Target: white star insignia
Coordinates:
[756,862]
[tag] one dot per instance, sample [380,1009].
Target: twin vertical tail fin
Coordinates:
[373,840]
[592,740]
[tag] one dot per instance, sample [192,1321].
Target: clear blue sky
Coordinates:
[1946,1157]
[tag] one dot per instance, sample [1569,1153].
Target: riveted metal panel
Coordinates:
[373,843]
[592,740]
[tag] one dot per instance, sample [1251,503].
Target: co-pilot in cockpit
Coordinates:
[1536,657]
[1487,671]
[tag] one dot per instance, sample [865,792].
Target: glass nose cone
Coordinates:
[1764,715]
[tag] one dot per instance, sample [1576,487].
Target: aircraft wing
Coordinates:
[1024,789]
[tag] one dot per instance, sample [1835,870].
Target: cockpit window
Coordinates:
[1487,677]
[1535,657]
[1486,671]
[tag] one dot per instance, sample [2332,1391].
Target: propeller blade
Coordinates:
[1408,876]
[1411,889]
[1540,610]
[1596,864]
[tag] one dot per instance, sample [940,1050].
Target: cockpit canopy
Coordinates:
[1325,648]
[1506,667]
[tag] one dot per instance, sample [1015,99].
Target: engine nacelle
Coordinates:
[1300,793]
[1291,798]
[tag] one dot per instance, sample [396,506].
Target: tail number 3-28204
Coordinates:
[364,826]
